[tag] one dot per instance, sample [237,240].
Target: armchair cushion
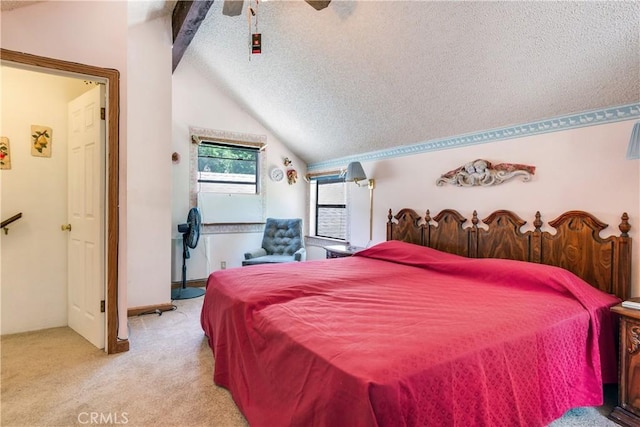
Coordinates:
[255,253]
[282,241]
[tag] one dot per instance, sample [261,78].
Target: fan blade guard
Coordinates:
[194,220]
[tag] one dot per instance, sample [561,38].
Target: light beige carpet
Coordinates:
[56,378]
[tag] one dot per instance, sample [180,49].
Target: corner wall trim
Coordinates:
[571,121]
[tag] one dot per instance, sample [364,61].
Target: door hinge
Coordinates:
[102,308]
[103,113]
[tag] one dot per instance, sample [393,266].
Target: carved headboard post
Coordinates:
[623,261]
[390,226]
[535,248]
[473,236]
[426,230]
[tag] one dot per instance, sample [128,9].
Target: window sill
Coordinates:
[322,241]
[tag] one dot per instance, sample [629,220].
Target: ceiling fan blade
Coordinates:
[318,4]
[232,7]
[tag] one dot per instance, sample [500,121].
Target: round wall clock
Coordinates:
[276,174]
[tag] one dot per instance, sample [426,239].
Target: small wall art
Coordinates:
[41,141]
[292,174]
[481,172]
[5,153]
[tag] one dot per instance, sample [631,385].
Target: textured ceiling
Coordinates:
[138,10]
[146,10]
[363,76]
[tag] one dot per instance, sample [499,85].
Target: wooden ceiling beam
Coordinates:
[185,21]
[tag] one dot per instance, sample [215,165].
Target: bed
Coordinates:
[442,324]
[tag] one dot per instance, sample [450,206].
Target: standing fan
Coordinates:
[190,236]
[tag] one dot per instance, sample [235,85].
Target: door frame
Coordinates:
[113,344]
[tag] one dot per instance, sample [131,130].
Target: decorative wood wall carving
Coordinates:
[633,338]
[481,172]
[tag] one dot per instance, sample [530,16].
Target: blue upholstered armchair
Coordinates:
[282,242]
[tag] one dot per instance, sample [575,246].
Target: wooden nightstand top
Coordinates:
[627,312]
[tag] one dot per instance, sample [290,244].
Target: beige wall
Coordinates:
[583,169]
[93,33]
[34,253]
[148,164]
[198,102]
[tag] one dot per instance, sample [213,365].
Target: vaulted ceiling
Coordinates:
[361,76]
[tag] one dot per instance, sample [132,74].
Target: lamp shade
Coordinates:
[633,151]
[355,172]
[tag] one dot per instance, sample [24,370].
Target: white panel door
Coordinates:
[85,216]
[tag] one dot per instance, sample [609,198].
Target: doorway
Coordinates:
[48,65]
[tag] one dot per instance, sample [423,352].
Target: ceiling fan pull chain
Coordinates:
[256,37]
[257,9]
[250,13]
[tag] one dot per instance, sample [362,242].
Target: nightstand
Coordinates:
[628,410]
[341,251]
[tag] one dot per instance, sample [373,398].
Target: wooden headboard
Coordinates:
[576,245]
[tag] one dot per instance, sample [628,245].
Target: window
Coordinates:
[226,179]
[227,169]
[331,212]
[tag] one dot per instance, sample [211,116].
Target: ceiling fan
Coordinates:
[234,7]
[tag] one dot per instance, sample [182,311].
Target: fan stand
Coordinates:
[183,292]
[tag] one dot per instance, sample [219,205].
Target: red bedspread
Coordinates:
[406,335]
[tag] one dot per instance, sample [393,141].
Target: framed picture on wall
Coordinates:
[41,141]
[5,153]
